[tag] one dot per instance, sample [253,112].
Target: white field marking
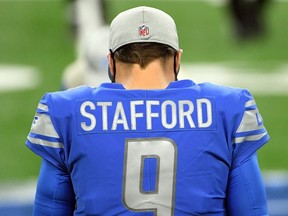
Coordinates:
[16,77]
[273,83]
[276,178]
[14,193]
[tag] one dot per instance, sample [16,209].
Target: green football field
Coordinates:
[35,33]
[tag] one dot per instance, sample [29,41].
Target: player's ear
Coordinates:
[178,60]
[110,65]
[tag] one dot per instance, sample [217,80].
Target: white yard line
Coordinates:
[16,193]
[274,83]
[14,78]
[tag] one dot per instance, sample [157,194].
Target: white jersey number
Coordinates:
[161,200]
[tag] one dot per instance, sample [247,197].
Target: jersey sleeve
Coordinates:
[250,133]
[246,193]
[44,139]
[54,194]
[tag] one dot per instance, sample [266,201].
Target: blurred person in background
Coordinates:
[248,18]
[87,21]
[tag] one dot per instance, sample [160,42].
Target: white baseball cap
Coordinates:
[143,24]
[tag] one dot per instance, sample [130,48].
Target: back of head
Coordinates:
[141,35]
[144,53]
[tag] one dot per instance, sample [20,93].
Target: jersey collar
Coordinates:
[175,84]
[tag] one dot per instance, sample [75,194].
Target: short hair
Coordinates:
[144,53]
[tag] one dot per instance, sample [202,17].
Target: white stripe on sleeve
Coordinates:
[238,140]
[42,142]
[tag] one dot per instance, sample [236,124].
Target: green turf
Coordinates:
[35,33]
[273,110]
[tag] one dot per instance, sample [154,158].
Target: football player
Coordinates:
[147,144]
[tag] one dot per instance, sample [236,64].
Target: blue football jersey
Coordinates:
[148,152]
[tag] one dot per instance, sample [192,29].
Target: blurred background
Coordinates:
[48,45]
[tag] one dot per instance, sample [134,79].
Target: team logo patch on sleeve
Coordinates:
[42,131]
[42,125]
[251,127]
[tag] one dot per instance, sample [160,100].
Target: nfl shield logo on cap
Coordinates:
[143,30]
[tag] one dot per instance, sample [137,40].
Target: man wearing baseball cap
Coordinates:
[148,144]
[150,32]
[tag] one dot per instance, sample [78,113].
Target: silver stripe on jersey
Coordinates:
[43,107]
[43,126]
[250,103]
[248,138]
[42,142]
[251,120]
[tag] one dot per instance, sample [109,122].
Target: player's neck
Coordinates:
[154,76]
